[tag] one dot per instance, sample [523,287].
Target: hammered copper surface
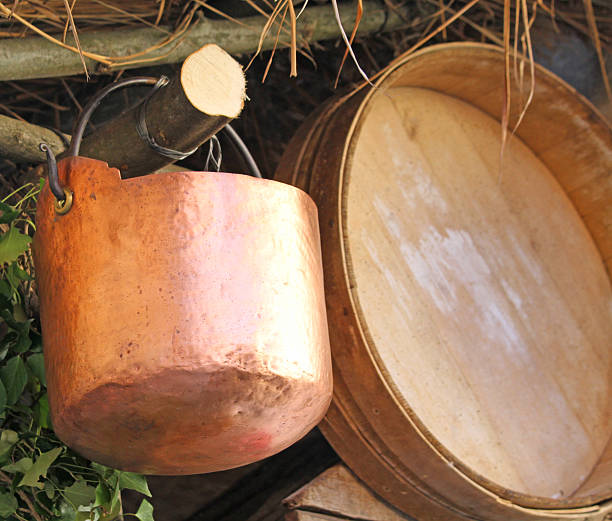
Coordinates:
[183,318]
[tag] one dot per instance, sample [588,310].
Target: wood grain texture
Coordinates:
[300,515]
[338,492]
[525,403]
[183,320]
[487,301]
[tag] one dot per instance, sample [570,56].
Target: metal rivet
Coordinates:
[63,207]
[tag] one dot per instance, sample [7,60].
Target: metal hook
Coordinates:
[54,183]
[62,195]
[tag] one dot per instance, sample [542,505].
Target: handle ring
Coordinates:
[63,206]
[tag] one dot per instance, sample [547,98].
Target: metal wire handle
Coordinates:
[143,130]
[85,115]
[244,150]
[215,155]
[63,195]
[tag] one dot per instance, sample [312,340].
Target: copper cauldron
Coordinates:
[183,317]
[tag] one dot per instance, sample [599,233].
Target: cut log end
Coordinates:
[208,92]
[214,82]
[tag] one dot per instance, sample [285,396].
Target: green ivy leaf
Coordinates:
[9,436]
[103,503]
[135,482]
[7,315]
[103,495]
[67,512]
[36,363]
[80,493]
[5,452]
[40,467]
[18,312]
[42,412]
[23,465]
[145,511]
[49,489]
[101,470]
[9,214]
[18,338]
[23,340]
[15,275]
[110,515]
[85,514]
[12,244]
[8,504]
[116,499]
[14,377]
[5,290]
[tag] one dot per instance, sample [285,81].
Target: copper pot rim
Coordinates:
[192,174]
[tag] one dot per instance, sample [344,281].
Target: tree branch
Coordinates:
[19,140]
[35,57]
[206,94]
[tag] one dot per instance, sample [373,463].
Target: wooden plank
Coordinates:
[300,515]
[338,492]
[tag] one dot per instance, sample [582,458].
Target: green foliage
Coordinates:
[13,244]
[14,376]
[135,482]
[145,511]
[41,479]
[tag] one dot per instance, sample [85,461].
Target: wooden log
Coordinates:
[19,140]
[208,92]
[35,57]
[338,492]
